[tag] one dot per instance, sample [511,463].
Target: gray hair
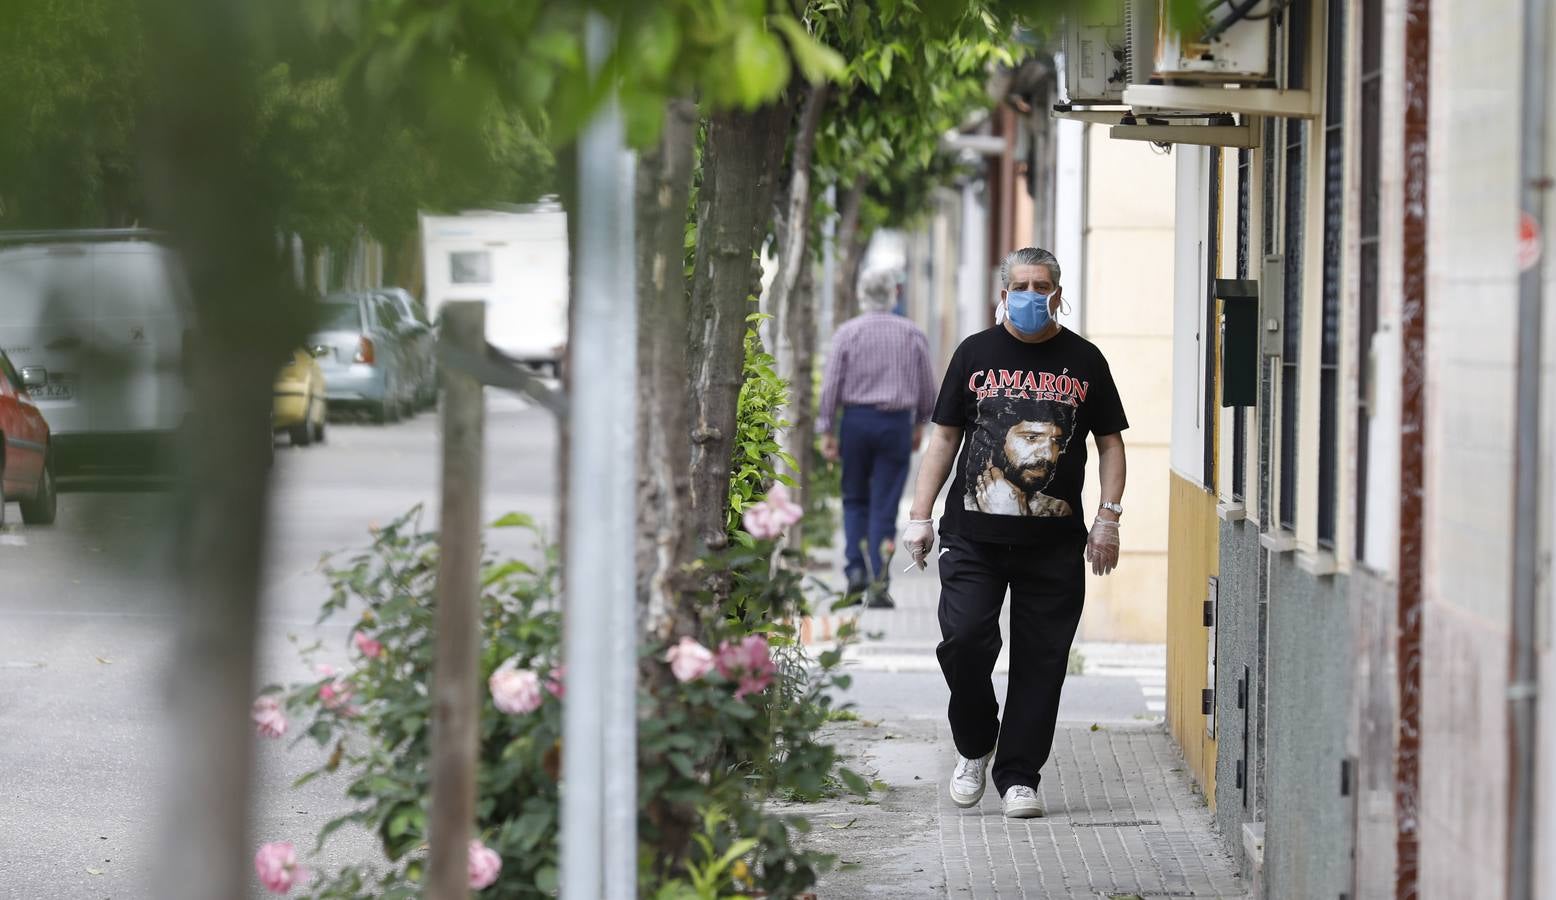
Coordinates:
[1028,256]
[878,290]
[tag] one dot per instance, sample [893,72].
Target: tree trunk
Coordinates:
[218,213]
[664,183]
[794,230]
[801,438]
[850,247]
[740,160]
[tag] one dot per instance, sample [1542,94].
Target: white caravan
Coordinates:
[516,262]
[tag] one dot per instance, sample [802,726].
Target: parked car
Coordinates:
[26,468]
[420,342]
[103,318]
[361,352]
[301,405]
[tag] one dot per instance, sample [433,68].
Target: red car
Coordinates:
[26,471]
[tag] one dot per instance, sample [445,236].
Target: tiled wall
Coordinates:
[1471,301]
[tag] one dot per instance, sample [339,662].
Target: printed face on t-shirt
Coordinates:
[1032,450]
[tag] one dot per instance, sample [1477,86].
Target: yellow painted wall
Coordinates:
[1192,557]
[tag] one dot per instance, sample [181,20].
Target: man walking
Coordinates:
[1018,401]
[878,372]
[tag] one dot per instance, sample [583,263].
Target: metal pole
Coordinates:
[1523,689]
[599,745]
[621,736]
[455,671]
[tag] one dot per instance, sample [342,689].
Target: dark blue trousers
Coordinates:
[876,448]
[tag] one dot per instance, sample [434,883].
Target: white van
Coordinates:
[517,263]
[105,314]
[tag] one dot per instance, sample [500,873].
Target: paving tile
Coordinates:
[1120,822]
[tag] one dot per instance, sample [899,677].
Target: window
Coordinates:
[1290,376]
[388,315]
[1334,284]
[342,315]
[9,374]
[1367,261]
[1240,413]
[470,267]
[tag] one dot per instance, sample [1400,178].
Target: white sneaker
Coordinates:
[968,779]
[1021,803]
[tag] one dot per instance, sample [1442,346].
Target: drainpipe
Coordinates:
[1522,691]
[1412,449]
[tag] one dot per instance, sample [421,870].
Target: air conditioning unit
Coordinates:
[1106,48]
[1095,55]
[1234,47]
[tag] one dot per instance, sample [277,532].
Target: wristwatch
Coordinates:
[1114,508]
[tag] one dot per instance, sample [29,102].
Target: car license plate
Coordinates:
[54,390]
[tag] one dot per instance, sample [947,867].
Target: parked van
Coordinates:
[517,263]
[104,315]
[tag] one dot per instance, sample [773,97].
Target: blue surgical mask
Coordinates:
[1027,311]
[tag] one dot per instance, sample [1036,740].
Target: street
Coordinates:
[87,635]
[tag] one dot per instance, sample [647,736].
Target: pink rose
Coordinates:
[555,684]
[784,510]
[515,691]
[768,519]
[370,648]
[484,865]
[268,718]
[277,867]
[336,693]
[759,522]
[689,660]
[748,663]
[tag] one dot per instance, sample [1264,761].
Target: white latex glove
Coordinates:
[919,539]
[1102,546]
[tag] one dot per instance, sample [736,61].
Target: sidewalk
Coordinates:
[1124,821]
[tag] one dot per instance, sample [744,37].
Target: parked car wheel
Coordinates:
[2,483]
[318,431]
[44,504]
[302,435]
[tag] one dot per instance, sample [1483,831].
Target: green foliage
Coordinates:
[706,755]
[913,75]
[530,56]
[73,80]
[757,452]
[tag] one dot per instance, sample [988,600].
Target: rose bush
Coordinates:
[720,734]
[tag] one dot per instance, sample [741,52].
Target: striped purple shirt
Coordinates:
[878,359]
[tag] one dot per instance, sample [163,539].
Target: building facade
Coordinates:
[1341,508]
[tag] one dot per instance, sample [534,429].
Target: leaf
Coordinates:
[817,61]
[854,781]
[92,871]
[515,520]
[761,68]
[498,573]
[105,660]
[841,827]
[546,880]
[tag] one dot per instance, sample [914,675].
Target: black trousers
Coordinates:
[1047,591]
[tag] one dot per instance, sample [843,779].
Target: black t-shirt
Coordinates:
[1025,411]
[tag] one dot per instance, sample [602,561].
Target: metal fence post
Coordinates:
[456,668]
[599,743]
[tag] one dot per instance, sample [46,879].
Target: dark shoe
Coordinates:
[880,599]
